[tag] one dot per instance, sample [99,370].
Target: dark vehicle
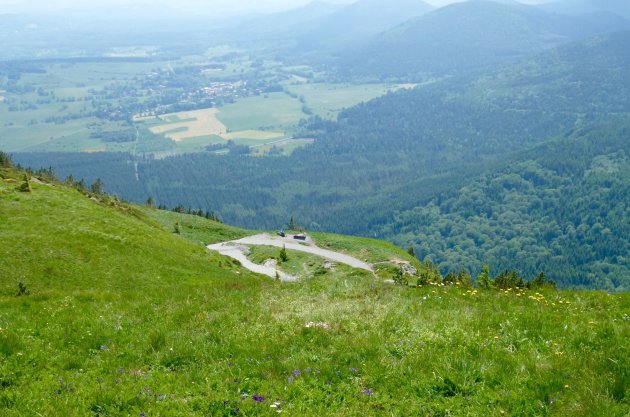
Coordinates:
[282,234]
[299,237]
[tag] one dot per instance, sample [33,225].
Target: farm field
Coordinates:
[327,100]
[63,114]
[273,111]
[190,124]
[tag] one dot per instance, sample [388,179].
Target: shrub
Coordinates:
[22,290]
[26,185]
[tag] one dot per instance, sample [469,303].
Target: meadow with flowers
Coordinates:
[105,311]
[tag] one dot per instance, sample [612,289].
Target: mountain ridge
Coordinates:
[470,36]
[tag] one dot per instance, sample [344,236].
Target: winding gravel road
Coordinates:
[237,249]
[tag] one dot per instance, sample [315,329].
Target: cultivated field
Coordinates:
[190,124]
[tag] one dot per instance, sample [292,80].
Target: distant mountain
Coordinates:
[470,36]
[287,23]
[359,21]
[620,7]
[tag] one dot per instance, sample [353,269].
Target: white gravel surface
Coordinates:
[236,249]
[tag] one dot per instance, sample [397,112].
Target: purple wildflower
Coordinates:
[297,373]
[354,370]
[258,398]
[142,415]
[368,392]
[291,378]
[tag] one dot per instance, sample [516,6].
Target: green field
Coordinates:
[118,315]
[327,100]
[28,129]
[274,111]
[65,91]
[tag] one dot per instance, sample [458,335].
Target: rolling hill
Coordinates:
[358,22]
[470,36]
[285,24]
[103,311]
[561,207]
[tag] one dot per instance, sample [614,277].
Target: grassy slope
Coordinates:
[126,318]
[196,229]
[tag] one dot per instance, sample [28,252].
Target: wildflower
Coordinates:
[354,370]
[258,398]
[368,392]
[142,414]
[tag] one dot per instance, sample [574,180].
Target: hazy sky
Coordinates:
[206,7]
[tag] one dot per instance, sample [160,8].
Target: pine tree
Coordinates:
[483,279]
[5,160]
[97,187]
[283,254]
[150,202]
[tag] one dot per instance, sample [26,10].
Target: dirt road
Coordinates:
[236,249]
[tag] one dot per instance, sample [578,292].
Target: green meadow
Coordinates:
[273,111]
[106,311]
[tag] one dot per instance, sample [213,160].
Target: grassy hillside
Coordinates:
[119,316]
